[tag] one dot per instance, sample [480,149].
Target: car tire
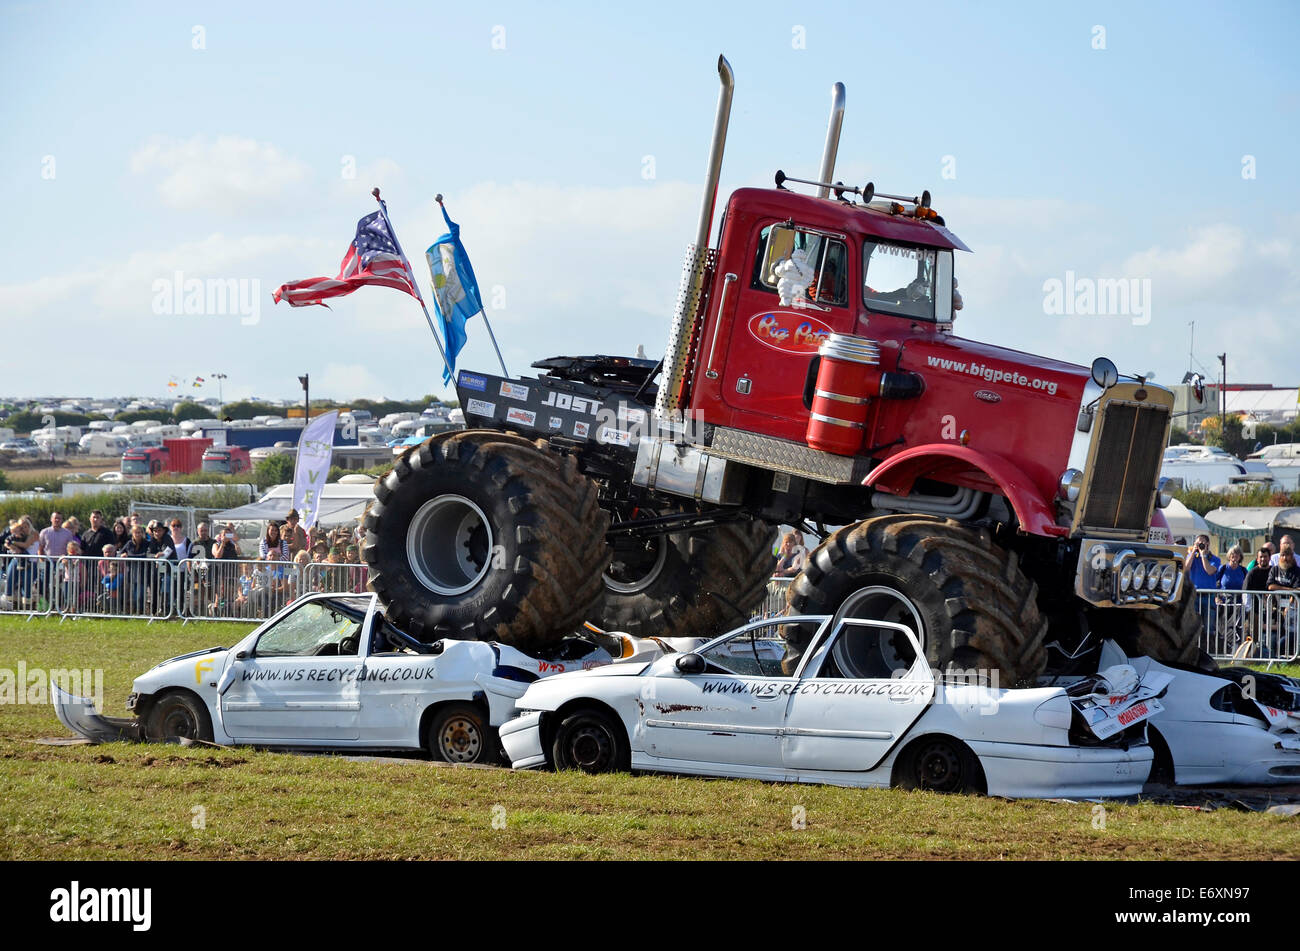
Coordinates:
[178,715]
[483,535]
[461,733]
[1170,634]
[968,600]
[687,584]
[593,741]
[940,764]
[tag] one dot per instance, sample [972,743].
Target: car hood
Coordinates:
[623,669]
[167,672]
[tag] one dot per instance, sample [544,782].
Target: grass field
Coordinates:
[143,801]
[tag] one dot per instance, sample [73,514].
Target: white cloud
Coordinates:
[1210,257]
[229,175]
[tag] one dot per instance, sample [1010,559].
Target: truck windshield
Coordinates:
[135,466]
[899,279]
[219,464]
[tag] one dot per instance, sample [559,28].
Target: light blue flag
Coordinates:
[455,290]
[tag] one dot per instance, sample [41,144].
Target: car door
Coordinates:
[771,343]
[853,703]
[397,686]
[733,711]
[299,680]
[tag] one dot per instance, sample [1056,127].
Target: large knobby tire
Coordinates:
[733,563]
[974,607]
[1170,634]
[482,535]
[687,584]
[178,715]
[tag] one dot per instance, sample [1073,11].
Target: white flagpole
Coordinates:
[383,210]
[493,337]
[483,310]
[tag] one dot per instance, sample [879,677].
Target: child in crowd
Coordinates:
[244,598]
[356,570]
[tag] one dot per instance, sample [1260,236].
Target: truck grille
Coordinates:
[1130,445]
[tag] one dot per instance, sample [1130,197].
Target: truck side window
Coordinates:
[824,259]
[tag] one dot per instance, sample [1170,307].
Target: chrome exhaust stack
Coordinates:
[716,148]
[832,140]
[698,264]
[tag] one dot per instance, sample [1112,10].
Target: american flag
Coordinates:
[372,258]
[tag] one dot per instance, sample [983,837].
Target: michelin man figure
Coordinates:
[793,275]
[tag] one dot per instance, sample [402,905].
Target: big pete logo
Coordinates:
[789,332]
[74,904]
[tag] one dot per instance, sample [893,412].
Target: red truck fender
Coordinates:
[944,461]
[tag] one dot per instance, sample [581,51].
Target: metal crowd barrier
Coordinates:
[774,600]
[88,586]
[1250,625]
[149,588]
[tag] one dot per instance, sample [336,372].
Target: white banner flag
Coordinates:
[315,450]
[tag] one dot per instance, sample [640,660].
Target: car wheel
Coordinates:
[179,715]
[940,764]
[592,741]
[460,733]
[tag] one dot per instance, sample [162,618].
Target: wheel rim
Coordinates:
[882,603]
[637,568]
[460,740]
[591,748]
[449,544]
[939,768]
[179,722]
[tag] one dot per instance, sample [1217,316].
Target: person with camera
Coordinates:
[1202,568]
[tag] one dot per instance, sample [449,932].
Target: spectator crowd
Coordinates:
[136,568]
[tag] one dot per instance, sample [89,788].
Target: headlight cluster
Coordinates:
[1139,577]
[1114,575]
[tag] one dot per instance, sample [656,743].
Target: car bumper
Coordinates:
[1253,757]
[1049,772]
[79,715]
[521,738]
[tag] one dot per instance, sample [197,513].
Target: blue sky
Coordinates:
[215,140]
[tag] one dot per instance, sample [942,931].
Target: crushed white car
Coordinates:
[862,708]
[1233,725]
[331,671]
